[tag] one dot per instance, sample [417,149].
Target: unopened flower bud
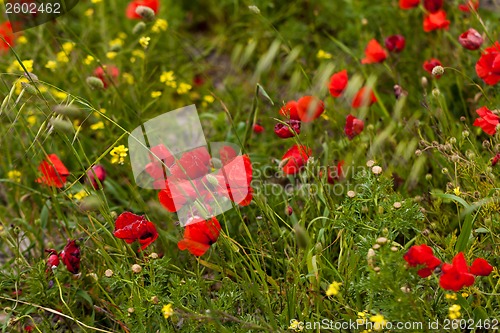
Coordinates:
[139,28]
[397,205]
[377,170]
[399,92]
[254,9]
[418,152]
[436,92]
[471,39]
[288,210]
[465,134]
[438,70]
[136,268]
[351,194]
[95,82]
[145,12]
[108,273]
[424,82]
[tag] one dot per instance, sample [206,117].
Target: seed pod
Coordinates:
[71,111]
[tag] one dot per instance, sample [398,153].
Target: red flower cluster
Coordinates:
[199,234]
[132,6]
[306,109]
[131,228]
[374,53]
[487,120]
[488,66]
[295,159]
[70,256]
[454,276]
[54,172]
[435,18]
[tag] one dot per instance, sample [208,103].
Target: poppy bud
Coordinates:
[139,28]
[288,210]
[395,43]
[70,256]
[285,130]
[258,128]
[62,126]
[145,12]
[399,92]
[95,82]
[53,260]
[471,39]
[96,173]
[301,236]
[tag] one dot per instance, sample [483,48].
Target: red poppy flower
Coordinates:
[107,73]
[374,53]
[395,43]
[257,128]
[430,64]
[131,227]
[192,164]
[481,267]
[495,160]
[176,193]
[437,20]
[199,235]
[310,108]
[353,126]
[295,159]
[8,35]
[487,120]
[53,260]
[284,131]
[227,154]
[364,97]
[70,256]
[488,66]
[433,6]
[238,177]
[54,172]
[466,7]
[407,4]
[422,255]
[334,173]
[96,175]
[338,83]
[132,6]
[456,276]
[290,110]
[161,158]
[471,39]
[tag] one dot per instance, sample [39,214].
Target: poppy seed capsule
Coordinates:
[145,12]
[95,82]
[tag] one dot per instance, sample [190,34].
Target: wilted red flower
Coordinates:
[433,6]
[290,110]
[199,234]
[364,97]
[466,7]
[192,164]
[53,260]
[487,120]
[295,158]
[456,275]
[70,256]
[8,35]
[284,131]
[407,4]
[488,66]
[437,20]
[257,128]
[310,108]
[96,175]
[334,173]
[54,172]
[395,43]
[471,39]
[132,6]
[374,53]
[353,126]
[338,83]
[430,64]
[422,255]
[107,73]
[238,177]
[131,227]
[495,160]
[481,267]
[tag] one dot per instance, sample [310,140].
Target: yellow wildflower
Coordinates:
[22,40]
[14,175]
[167,310]
[79,195]
[454,311]
[117,42]
[51,64]
[323,55]
[208,98]
[122,35]
[156,94]
[62,57]
[59,94]
[129,78]
[183,88]
[456,190]
[111,55]
[95,1]
[88,60]
[68,47]
[139,54]
[333,289]
[118,154]
[296,325]
[28,64]
[19,84]
[31,120]
[167,76]
[97,126]
[160,25]
[89,12]
[378,322]
[451,296]
[144,41]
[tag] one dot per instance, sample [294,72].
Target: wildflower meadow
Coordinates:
[249,166]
